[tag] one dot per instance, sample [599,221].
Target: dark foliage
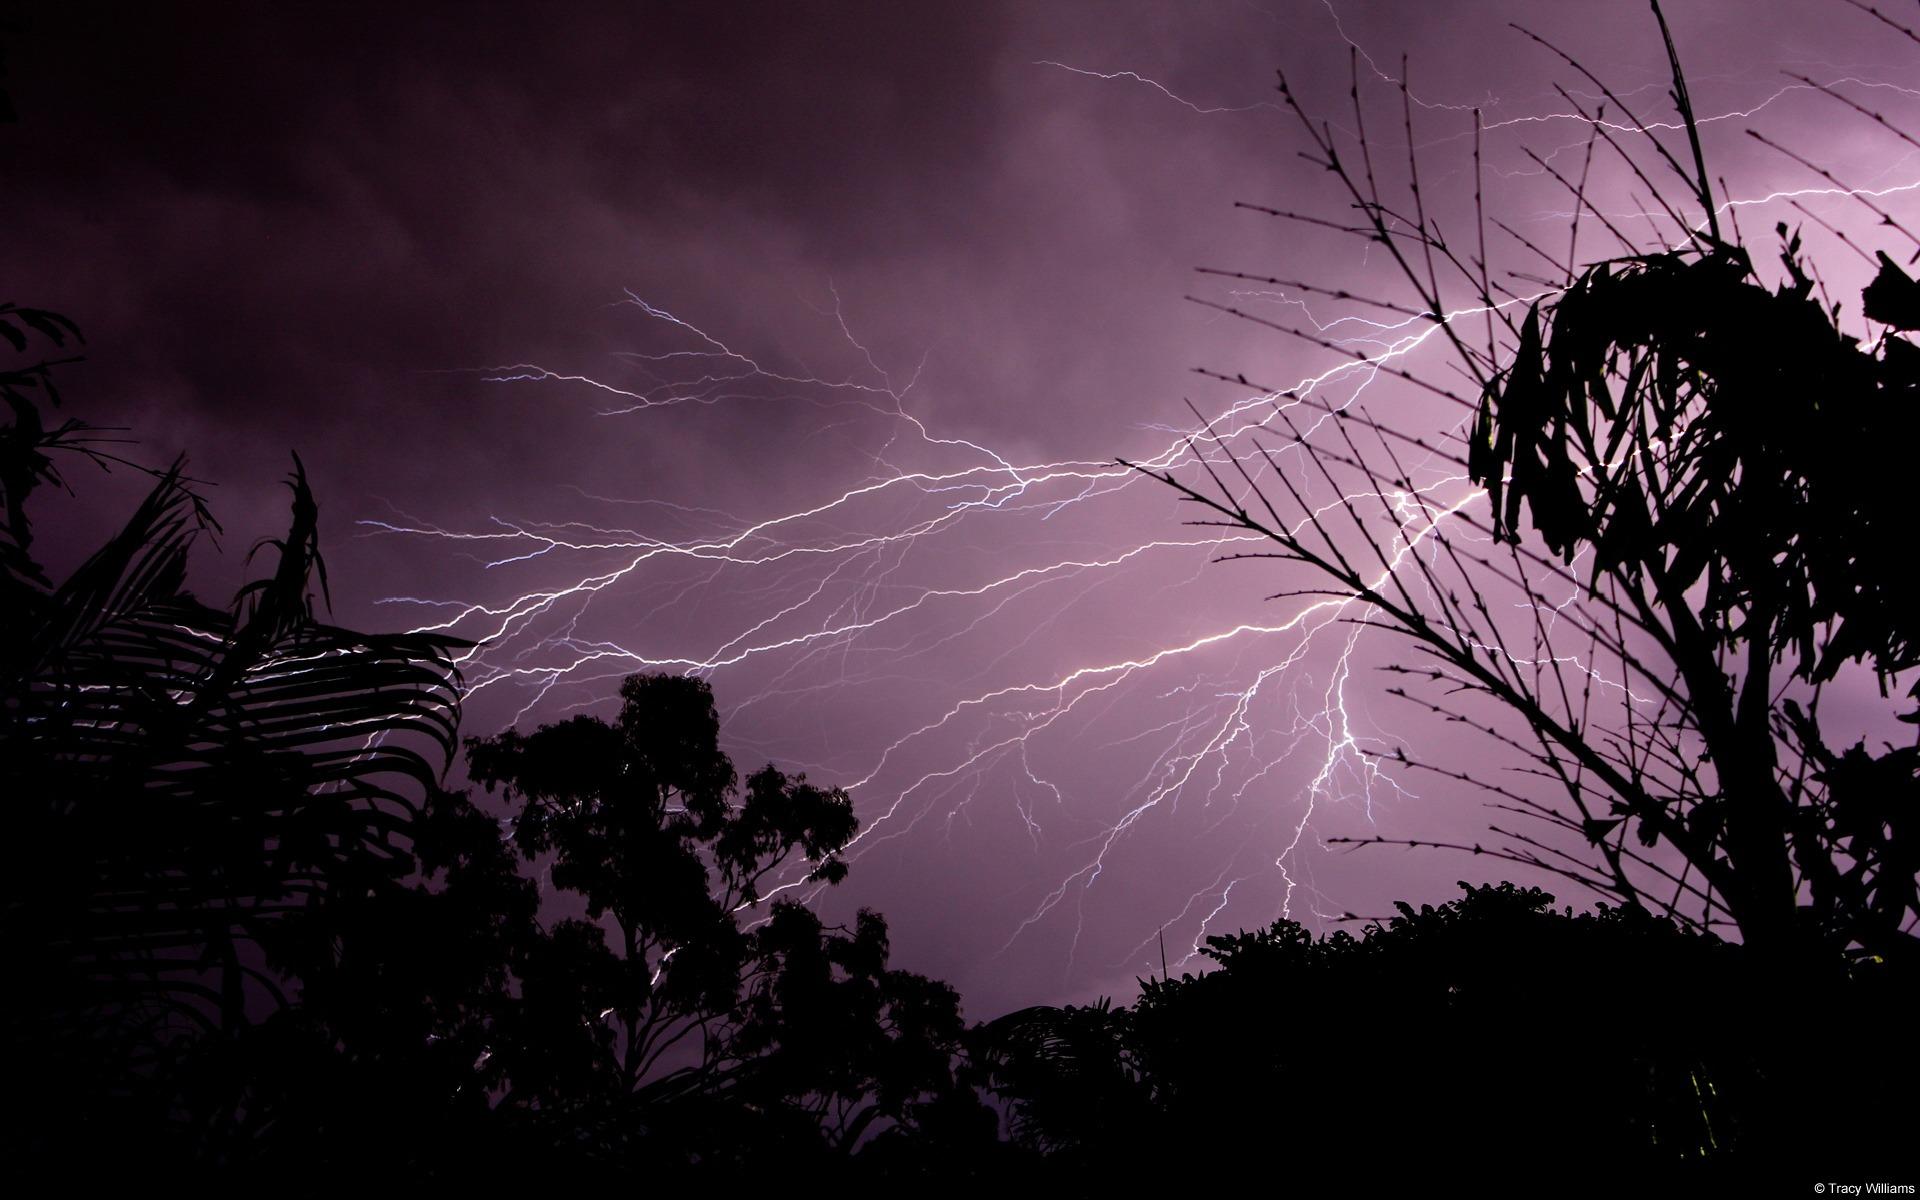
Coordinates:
[803,1027]
[1743,443]
[1727,447]
[182,779]
[1418,1047]
[447,1020]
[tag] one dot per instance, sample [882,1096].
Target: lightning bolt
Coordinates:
[971,580]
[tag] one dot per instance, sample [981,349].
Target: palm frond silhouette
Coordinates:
[181,776]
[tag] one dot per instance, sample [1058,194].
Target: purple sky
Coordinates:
[788,344]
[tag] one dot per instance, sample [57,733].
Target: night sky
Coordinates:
[792,345]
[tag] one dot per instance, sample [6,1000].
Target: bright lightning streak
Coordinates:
[947,566]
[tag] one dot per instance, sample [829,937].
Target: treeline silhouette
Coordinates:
[253,940]
[1490,1037]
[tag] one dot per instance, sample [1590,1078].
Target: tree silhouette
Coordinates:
[1414,1049]
[1714,472]
[1075,1078]
[182,777]
[626,810]
[803,1026]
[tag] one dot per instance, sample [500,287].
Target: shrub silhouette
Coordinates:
[1417,1046]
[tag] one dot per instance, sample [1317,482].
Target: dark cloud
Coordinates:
[273,218]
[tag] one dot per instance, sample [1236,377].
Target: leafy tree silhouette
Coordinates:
[803,1026]
[1715,473]
[1416,1047]
[626,810]
[1075,1079]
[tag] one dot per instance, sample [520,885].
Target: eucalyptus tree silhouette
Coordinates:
[1716,472]
[801,1032]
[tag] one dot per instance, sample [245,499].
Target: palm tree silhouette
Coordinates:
[181,776]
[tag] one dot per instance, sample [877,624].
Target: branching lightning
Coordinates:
[950,572]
